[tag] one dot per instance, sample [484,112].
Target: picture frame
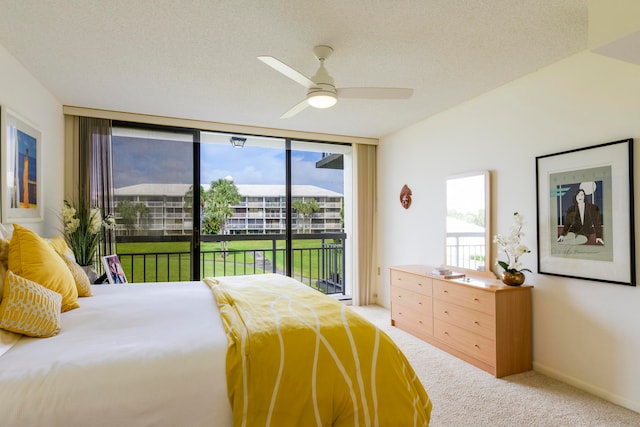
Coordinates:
[585,210]
[113,269]
[21,157]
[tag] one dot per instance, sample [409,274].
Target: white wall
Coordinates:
[23,94]
[585,333]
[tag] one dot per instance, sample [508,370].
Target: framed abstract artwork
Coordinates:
[21,169]
[585,213]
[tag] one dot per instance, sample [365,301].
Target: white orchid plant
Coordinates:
[83,229]
[511,246]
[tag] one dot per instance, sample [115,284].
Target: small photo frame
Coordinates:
[586,213]
[21,157]
[113,269]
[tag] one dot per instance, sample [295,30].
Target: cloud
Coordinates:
[139,160]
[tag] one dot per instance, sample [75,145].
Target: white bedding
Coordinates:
[132,355]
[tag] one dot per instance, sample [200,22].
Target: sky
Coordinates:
[466,194]
[139,160]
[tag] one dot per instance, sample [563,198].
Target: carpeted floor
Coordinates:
[464,395]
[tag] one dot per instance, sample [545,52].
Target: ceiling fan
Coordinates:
[321,89]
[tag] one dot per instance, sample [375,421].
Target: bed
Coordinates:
[243,350]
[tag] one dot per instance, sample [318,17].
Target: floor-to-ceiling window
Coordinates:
[262,205]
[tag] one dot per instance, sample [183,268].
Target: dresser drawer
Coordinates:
[465,341]
[465,295]
[474,321]
[412,282]
[411,299]
[418,322]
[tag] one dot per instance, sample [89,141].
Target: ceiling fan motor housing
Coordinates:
[323,94]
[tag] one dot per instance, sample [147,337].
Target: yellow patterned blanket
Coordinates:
[297,357]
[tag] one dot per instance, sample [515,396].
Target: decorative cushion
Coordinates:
[5,232]
[4,260]
[29,308]
[33,258]
[3,270]
[60,246]
[83,285]
[4,251]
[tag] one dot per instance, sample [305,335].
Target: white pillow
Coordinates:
[7,340]
[5,232]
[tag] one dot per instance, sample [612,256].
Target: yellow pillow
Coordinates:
[83,285]
[34,259]
[3,270]
[4,259]
[60,246]
[28,308]
[4,251]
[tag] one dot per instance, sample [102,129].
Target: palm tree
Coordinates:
[221,195]
[188,204]
[305,209]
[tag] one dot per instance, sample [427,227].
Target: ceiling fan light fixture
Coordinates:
[322,99]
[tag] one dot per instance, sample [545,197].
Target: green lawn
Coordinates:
[172,262]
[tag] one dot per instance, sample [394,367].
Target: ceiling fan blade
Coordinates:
[295,109]
[375,92]
[283,68]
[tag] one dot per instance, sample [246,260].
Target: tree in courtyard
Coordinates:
[305,210]
[221,195]
[132,214]
[188,198]
[188,204]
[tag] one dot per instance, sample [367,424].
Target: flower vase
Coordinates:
[91,273]
[513,279]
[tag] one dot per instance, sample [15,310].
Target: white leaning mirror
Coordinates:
[467,245]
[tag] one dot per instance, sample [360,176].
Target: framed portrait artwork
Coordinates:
[21,169]
[585,213]
[113,269]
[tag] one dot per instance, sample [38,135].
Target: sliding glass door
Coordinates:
[192,204]
[153,172]
[321,220]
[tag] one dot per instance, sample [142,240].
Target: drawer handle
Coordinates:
[419,302]
[419,284]
[445,291]
[446,312]
[475,322]
[476,346]
[446,333]
[476,299]
[420,321]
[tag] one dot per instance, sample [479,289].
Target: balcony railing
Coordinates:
[466,250]
[318,260]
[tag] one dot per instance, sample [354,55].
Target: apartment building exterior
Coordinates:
[261,210]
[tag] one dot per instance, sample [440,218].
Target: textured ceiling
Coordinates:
[197,59]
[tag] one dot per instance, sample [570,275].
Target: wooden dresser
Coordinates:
[481,321]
